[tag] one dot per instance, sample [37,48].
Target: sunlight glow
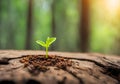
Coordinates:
[112,5]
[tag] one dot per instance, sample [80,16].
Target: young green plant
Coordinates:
[46,44]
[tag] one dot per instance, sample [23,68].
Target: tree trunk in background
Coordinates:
[53,22]
[29,25]
[0,22]
[84,26]
[53,18]
[11,31]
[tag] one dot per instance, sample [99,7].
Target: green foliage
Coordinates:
[104,35]
[46,44]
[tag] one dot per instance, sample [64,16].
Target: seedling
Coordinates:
[46,44]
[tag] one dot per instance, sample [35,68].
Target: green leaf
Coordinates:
[41,43]
[49,41]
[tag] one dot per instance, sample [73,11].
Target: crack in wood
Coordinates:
[112,70]
[78,78]
[14,68]
[5,61]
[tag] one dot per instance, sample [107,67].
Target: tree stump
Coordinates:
[88,68]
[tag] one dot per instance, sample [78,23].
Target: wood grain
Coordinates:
[88,68]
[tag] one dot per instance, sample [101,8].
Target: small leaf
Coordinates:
[49,41]
[41,43]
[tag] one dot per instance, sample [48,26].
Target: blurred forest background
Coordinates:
[79,25]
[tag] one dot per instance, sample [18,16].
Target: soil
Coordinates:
[38,63]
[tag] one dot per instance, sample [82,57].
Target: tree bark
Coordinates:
[88,68]
[29,25]
[84,26]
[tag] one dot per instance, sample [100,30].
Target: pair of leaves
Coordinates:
[48,42]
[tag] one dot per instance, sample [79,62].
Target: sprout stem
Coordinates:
[46,52]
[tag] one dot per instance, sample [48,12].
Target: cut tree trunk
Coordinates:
[88,68]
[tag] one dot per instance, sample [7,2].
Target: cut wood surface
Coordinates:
[88,68]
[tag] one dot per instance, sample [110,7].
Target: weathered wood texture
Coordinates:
[87,69]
